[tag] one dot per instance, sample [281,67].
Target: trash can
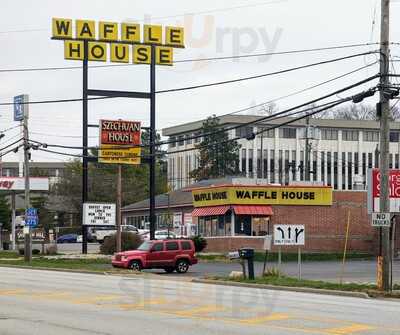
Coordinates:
[248,253]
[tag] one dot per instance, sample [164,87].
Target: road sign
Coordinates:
[31,217]
[117,142]
[289,234]
[21,107]
[380,219]
[95,214]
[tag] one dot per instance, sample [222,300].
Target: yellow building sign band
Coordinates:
[267,195]
[115,155]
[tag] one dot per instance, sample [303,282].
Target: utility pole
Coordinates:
[28,241]
[119,205]
[384,140]
[152,180]
[307,151]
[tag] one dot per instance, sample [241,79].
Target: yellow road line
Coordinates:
[349,329]
[200,310]
[12,292]
[141,304]
[95,299]
[266,318]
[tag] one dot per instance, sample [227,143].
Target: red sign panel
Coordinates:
[394,182]
[119,132]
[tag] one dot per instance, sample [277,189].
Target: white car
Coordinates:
[160,235]
[79,239]
[102,234]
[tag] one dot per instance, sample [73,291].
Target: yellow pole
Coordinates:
[345,247]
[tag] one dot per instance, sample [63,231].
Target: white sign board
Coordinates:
[95,214]
[380,219]
[18,183]
[289,234]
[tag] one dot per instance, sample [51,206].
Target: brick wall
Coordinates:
[325,227]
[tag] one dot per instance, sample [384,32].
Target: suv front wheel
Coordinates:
[135,265]
[182,266]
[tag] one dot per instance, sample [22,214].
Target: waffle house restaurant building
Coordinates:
[231,216]
[234,210]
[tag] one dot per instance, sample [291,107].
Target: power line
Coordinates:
[204,85]
[205,59]
[264,74]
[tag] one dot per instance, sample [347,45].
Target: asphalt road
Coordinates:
[47,303]
[355,271]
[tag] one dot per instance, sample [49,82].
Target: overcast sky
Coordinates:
[213,29]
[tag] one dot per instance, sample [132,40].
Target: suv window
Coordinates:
[172,246]
[186,245]
[158,247]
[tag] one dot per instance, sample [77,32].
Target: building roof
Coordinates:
[238,119]
[178,198]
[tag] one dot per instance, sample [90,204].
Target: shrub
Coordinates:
[200,243]
[129,241]
[21,251]
[35,251]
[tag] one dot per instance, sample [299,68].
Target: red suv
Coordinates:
[169,255]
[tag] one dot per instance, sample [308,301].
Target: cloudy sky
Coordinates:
[213,29]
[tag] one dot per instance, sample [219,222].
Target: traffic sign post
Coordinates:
[290,235]
[380,219]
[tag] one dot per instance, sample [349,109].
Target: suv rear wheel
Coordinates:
[182,266]
[135,265]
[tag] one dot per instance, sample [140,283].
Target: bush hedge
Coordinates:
[129,241]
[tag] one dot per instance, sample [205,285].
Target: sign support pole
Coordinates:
[279,258]
[119,202]
[85,140]
[299,262]
[28,240]
[152,142]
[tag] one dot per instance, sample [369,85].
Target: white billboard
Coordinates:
[96,214]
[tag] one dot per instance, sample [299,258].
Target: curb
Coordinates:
[362,295]
[103,273]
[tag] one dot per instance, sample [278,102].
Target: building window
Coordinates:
[189,139]
[343,170]
[181,140]
[349,170]
[350,135]
[356,171]
[370,160]
[301,167]
[272,166]
[173,142]
[329,168]
[323,167]
[371,136]
[244,161]
[251,163]
[396,161]
[329,134]
[394,136]
[267,133]
[265,164]
[243,132]
[198,137]
[287,132]
[293,165]
[390,161]
[335,170]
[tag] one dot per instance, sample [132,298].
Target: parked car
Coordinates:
[169,255]
[79,239]
[68,238]
[160,235]
[102,234]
